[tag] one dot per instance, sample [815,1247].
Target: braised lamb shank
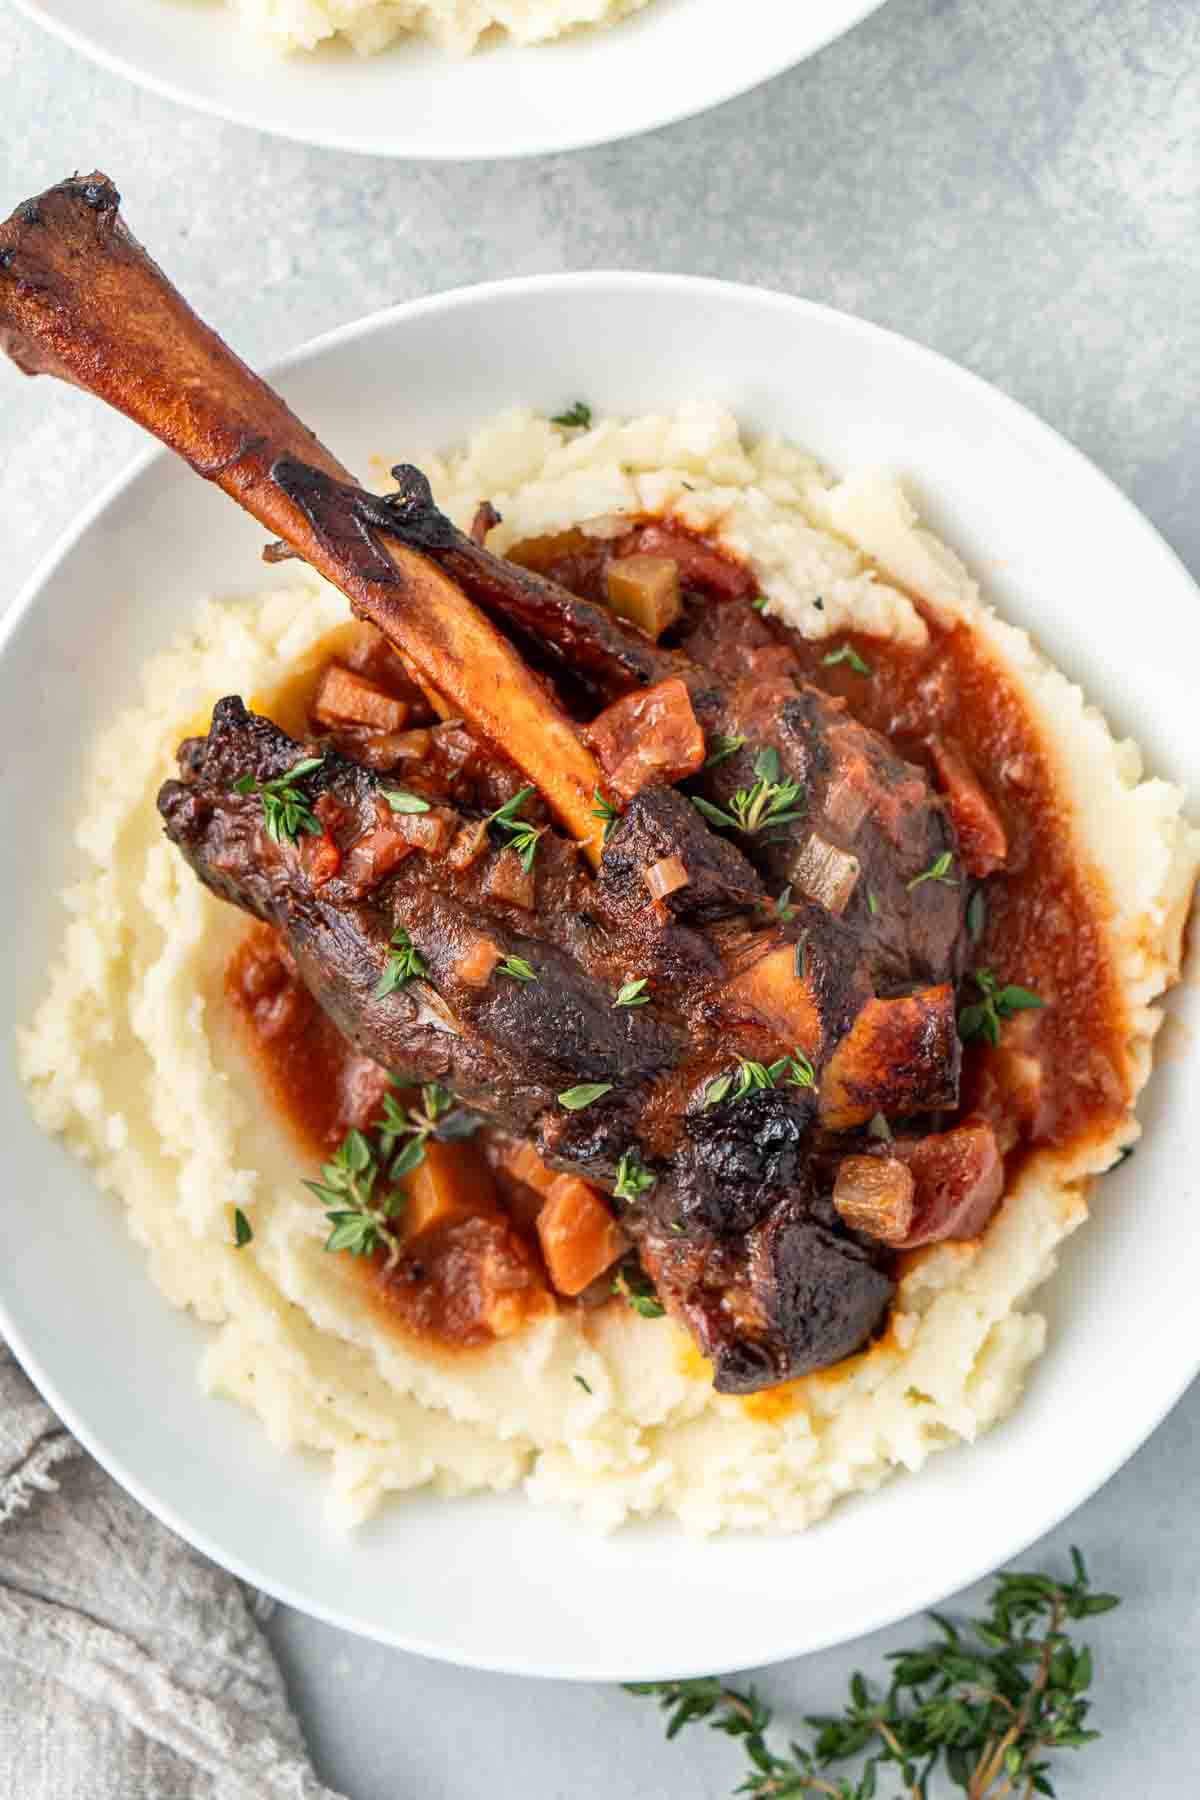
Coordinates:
[784,889]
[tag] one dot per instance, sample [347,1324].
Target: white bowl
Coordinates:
[497,1582]
[677,58]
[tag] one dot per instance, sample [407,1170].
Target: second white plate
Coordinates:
[676,58]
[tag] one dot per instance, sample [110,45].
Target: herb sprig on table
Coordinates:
[989,1704]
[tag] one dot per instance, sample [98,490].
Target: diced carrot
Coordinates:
[474,967]
[345,697]
[579,1236]
[453,1181]
[523,1163]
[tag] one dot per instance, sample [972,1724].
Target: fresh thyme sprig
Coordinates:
[722,749]
[404,962]
[846,653]
[633,1178]
[794,1070]
[410,1127]
[403,800]
[638,1291]
[576,1098]
[938,870]
[606,811]
[983,1017]
[286,811]
[522,836]
[517,968]
[990,1703]
[358,1184]
[768,802]
[633,993]
[360,1202]
[576,417]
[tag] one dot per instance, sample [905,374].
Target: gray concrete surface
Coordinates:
[1015,182]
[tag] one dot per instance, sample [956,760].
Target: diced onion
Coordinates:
[663,878]
[825,873]
[845,805]
[874,1195]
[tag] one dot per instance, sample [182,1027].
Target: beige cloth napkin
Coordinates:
[130,1667]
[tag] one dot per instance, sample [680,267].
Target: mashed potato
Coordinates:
[455,25]
[133,1059]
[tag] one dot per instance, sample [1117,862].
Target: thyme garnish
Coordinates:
[404,961]
[766,803]
[359,1205]
[286,811]
[976,915]
[983,1017]
[522,836]
[938,870]
[517,968]
[641,1297]
[989,1703]
[358,1184]
[604,809]
[577,417]
[795,1070]
[401,800]
[243,1232]
[724,747]
[576,1098]
[846,653]
[633,1178]
[633,994]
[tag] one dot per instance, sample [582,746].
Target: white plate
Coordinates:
[496,1582]
[677,58]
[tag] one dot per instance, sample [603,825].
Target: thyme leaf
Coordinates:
[286,811]
[402,801]
[938,870]
[521,835]
[723,748]
[404,961]
[846,653]
[633,1178]
[981,1019]
[604,809]
[576,1098]
[517,968]
[243,1232]
[577,417]
[633,994]
[639,1293]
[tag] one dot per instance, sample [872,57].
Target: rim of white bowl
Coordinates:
[719,93]
[872,1615]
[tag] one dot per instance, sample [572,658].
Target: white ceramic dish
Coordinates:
[677,58]
[496,1582]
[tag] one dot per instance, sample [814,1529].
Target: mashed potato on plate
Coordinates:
[454,25]
[133,1057]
